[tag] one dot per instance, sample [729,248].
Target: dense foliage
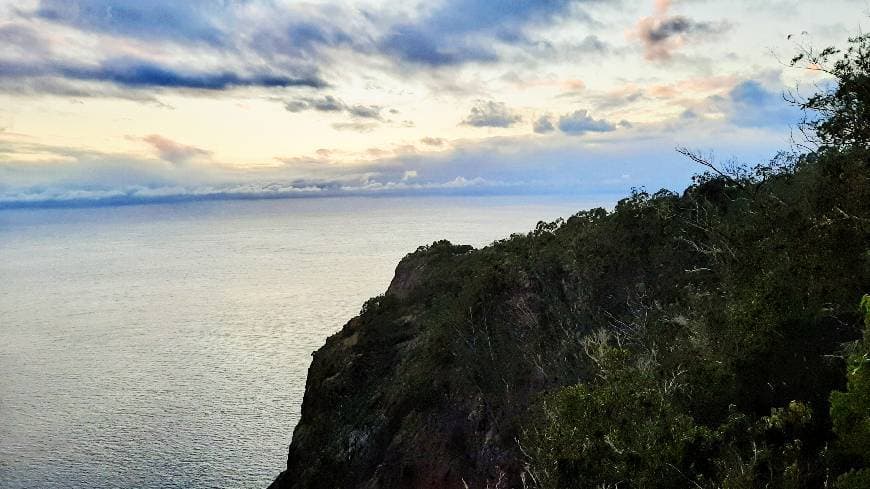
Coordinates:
[738,371]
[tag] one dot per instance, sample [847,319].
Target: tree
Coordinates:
[850,413]
[843,110]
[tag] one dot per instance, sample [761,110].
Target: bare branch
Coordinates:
[697,158]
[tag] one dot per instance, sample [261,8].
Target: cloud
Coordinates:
[144,74]
[302,37]
[543,51]
[488,113]
[296,106]
[302,33]
[592,44]
[747,103]
[175,152]
[580,122]
[133,73]
[416,45]
[355,126]
[680,92]
[59,197]
[750,104]
[661,34]
[97,179]
[219,45]
[70,88]
[190,20]
[365,111]
[22,40]
[499,165]
[618,98]
[543,125]
[430,141]
[191,45]
[462,31]
[329,103]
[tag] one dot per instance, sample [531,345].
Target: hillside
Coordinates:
[705,339]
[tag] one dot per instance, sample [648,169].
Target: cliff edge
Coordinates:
[399,398]
[676,334]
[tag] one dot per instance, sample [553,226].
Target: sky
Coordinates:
[115,101]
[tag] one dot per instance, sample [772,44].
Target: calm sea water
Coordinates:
[167,345]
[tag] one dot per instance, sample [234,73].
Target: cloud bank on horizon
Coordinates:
[111,101]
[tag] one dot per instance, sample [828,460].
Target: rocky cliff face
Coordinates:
[392,400]
[432,384]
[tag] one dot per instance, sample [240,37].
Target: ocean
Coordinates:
[167,345]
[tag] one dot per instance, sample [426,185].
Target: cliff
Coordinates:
[677,331]
[401,397]
[708,339]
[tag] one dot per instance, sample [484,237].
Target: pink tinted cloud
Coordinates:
[174,152]
[662,34]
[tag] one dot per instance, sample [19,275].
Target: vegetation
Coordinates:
[850,413]
[712,339]
[733,376]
